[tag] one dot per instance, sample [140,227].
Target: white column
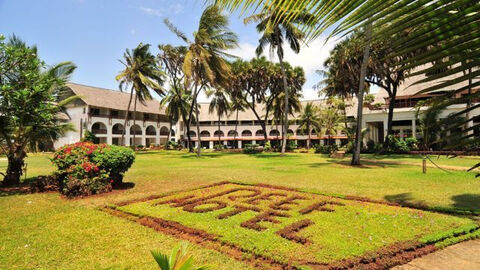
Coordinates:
[210,144]
[385,129]
[196,144]
[127,135]
[144,139]
[239,144]
[322,142]
[109,134]
[157,137]
[254,142]
[338,142]
[401,133]
[414,128]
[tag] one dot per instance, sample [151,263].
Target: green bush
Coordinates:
[412,143]
[219,147]
[291,145]
[89,137]
[397,145]
[267,147]
[252,149]
[326,149]
[85,168]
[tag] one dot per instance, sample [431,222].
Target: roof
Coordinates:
[112,99]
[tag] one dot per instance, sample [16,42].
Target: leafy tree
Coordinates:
[31,102]
[141,74]
[331,120]
[205,65]
[219,104]
[274,33]
[309,119]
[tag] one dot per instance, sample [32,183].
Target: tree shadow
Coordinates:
[124,186]
[15,190]
[466,201]
[364,164]
[316,164]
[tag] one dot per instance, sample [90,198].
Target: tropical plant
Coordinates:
[237,105]
[171,60]
[31,102]
[179,259]
[219,103]
[331,121]
[310,119]
[274,33]
[174,105]
[89,136]
[141,74]
[448,27]
[204,64]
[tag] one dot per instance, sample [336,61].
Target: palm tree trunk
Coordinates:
[235,134]
[469,103]
[308,141]
[363,73]
[219,129]
[126,118]
[197,121]
[169,130]
[134,118]
[285,120]
[391,108]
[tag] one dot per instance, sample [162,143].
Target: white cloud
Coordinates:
[161,12]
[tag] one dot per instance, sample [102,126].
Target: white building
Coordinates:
[103,112]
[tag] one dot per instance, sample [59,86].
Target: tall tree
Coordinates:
[205,65]
[174,106]
[310,119]
[237,105]
[141,74]
[31,102]
[274,33]
[331,120]
[219,103]
[171,60]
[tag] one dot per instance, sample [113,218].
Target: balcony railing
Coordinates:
[151,133]
[117,131]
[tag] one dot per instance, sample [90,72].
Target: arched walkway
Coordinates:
[151,131]
[99,128]
[246,133]
[164,131]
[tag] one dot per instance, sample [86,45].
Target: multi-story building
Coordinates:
[248,129]
[103,112]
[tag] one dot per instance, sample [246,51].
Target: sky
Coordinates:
[95,33]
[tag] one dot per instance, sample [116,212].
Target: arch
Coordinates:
[259,133]
[117,129]
[172,132]
[314,132]
[205,133]
[192,133]
[136,129]
[274,132]
[151,131]
[218,133]
[99,128]
[246,133]
[290,132]
[232,133]
[164,131]
[301,132]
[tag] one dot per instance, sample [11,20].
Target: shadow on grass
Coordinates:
[364,164]
[467,201]
[207,155]
[317,164]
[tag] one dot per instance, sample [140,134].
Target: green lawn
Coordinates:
[47,231]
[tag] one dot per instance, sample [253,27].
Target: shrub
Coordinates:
[326,149]
[252,149]
[85,168]
[89,137]
[291,145]
[412,143]
[267,147]
[396,145]
[45,183]
[219,147]
[371,146]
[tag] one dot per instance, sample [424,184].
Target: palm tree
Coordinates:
[237,104]
[140,74]
[174,105]
[331,121]
[310,118]
[205,64]
[220,104]
[274,33]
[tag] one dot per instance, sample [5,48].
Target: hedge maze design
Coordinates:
[265,213]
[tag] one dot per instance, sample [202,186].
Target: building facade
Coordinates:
[103,112]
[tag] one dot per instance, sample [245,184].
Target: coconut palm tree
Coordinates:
[141,74]
[219,104]
[179,259]
[237,105]
[205,65]
[331,121]
[310,118]
[174,105]
[275,33]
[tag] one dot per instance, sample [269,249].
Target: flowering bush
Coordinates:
[86,168]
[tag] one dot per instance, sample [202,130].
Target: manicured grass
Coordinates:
[47,231]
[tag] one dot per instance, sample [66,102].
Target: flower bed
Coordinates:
[85,168]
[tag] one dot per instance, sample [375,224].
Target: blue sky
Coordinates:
[95,33]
